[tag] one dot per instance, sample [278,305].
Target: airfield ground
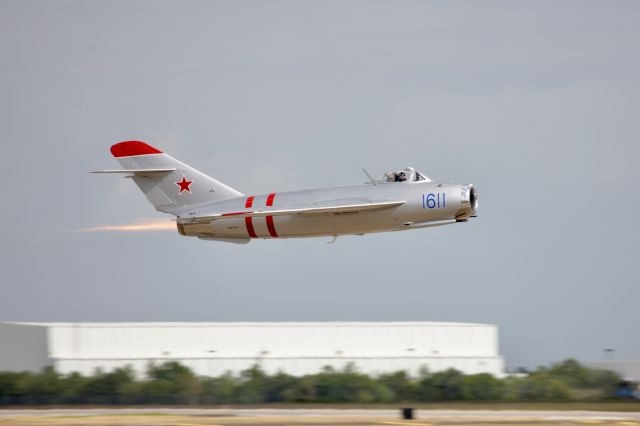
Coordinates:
[286,417]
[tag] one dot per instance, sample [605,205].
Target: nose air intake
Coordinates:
[473,198]
[468,203]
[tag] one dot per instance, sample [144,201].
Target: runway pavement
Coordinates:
[273,417]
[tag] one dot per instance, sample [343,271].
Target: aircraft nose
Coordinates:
[468,202]
[473,197]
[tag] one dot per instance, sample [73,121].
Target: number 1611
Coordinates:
[434,201]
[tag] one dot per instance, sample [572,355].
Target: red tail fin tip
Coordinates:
[131,148]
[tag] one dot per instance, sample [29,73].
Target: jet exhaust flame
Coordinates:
[144,225]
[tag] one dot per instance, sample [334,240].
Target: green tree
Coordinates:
[440,386]
[173,383]
[106,388]
[483,386]
[252,388]
[303,390]
[72,389]
[13,389]
[603,380]
[219,390]
[570,372]
[44,387]
[403,387]
[536,387]
[276,385]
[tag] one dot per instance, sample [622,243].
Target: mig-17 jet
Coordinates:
[208,209]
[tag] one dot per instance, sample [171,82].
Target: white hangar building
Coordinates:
[213,348]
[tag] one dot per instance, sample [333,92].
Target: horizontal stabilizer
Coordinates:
[171,186]
[341,209]
[139,172]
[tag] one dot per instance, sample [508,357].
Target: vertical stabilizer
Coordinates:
[170,185]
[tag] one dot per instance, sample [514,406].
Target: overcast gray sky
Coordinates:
[535,103]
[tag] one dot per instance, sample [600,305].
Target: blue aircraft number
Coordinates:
[434,201]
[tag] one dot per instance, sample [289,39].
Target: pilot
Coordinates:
[401,177]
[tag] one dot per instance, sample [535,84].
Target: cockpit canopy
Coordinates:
[406,175]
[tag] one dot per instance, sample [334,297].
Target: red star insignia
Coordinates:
[184,185]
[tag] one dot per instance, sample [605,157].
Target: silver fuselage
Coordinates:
[426,203]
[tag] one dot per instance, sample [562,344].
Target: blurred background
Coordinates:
[535,103]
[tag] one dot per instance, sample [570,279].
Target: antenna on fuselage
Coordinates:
[373,181]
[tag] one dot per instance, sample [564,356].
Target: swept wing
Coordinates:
[336,209]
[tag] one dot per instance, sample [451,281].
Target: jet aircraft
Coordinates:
[210,210]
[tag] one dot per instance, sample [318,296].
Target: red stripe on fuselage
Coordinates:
[249,220]
[270,226]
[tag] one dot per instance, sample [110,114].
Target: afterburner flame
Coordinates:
[144,225]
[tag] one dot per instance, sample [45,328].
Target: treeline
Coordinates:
[173,383]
